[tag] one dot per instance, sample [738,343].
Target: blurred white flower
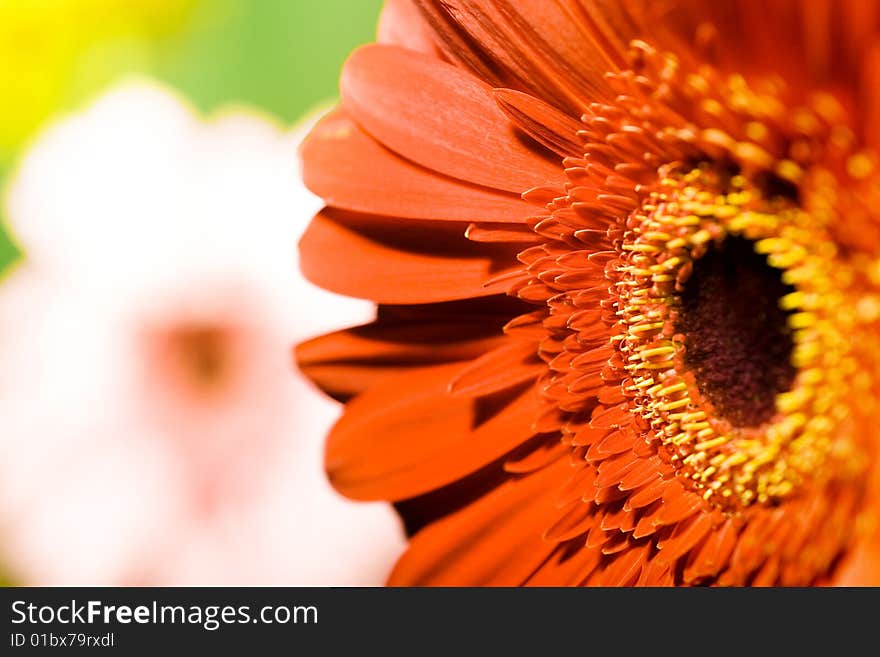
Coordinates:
[153,429]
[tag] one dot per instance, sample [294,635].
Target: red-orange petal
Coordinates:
[505,366]
[576,520]
[347,362]
[569,566]
[392,446]
[441,117]
[684,537]
[537,457]
[393,266]
[351,170]
[401,24]
[543,122]
[714,554]
[626,567]
[532,45]
[494,541]
[509,233]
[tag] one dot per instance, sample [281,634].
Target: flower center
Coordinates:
[197,362]
[738,342]
[202,353]
[734,323]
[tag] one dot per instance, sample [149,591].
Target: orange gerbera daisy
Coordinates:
[626,257]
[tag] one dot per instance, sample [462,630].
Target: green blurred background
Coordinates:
[282,56]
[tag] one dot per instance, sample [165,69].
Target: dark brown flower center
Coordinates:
[738,341]
[194,361]
[202,354]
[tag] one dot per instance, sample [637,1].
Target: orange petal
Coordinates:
[487,232]
[393,446]
[647,494]
[347,362]
[543,123]
[351,170]
[749,553]
[713,554]
[579,485]
[531,45]
[401,24]
[577,520]
[622,519]
[613,469]
[684,538]
[618,441]
[644,472]
[442,118]
[768,574]
[533,458]
[398,266]
[495,540]
[570,564]
[625,569]
[506,366]
[678,504]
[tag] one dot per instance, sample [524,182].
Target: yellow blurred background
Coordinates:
[282,56]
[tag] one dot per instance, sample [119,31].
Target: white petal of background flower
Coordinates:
[154,429]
